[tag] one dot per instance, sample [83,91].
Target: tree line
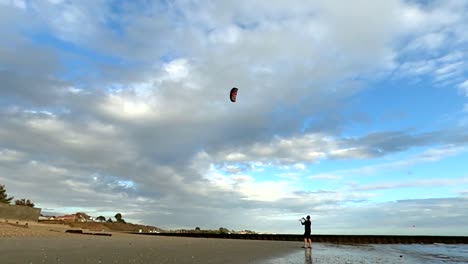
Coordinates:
[7,200]
[118,218]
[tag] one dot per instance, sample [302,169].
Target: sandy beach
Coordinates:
[17,229]
[50,244]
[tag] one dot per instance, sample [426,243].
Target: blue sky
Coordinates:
[354,113]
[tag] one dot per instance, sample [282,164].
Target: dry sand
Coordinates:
[31,229]
[38,244]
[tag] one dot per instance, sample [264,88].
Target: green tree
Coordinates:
[3,195]
[119,219]
[101,218]
[197,228]
[223,230]
[82,217]
[24,202]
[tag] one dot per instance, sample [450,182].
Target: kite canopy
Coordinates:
[233,94]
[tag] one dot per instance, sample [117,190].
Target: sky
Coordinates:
[352,112]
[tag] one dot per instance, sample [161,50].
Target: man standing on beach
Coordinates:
[307,236]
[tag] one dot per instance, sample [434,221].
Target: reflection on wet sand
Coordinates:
[378,254]
[307,255]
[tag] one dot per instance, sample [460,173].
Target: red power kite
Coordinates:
[233,94]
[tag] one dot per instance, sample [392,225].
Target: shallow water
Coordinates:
[372,254]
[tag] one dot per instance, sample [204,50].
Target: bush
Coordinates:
[119,218]
[223,230]
[24,202]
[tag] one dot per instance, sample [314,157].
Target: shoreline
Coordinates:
[28,229]
[338,239]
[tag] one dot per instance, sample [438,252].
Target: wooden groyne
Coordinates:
[340,239]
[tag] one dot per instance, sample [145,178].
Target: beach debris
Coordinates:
[99,234]
[79,231]
[74,231]
[19,225]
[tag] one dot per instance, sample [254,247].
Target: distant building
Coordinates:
[46,217]
[83,217]
[70,218]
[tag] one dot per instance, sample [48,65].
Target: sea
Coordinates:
[376,254]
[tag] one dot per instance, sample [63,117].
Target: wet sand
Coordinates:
[323,253]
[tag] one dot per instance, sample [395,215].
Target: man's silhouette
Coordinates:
[307,236]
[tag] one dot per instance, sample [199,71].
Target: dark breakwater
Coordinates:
[340,239]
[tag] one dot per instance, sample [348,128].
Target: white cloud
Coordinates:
[261,191]
[177,69]
[161,134]
[446,68]
[325,176]
[10,155]
[72,20]
[411,184]
[46,124]
[421,217]
[413,18]
[16,3]
[430,41]
[299,166]
[433,30]
[56,2]
[249,188]
[352,153]
[229,35]
[314,147]
[431,155]
[464,87]
[418,67]
[128,108]
[233,157]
